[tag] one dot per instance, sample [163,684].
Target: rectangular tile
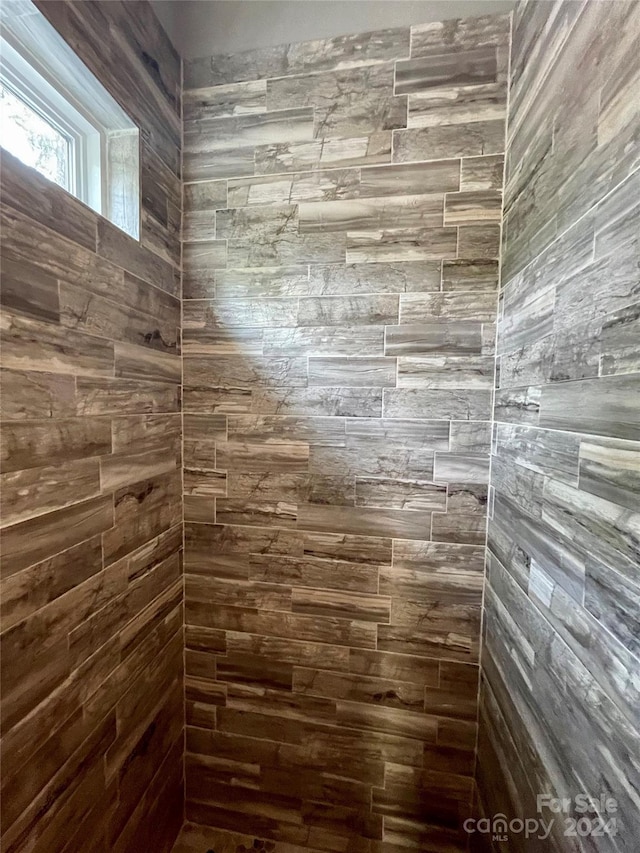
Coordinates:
[349,102]
[472,404]
[462,68]
[324,153]
[36,443]
[456,338]
[40,538]
[400,494]
[401,244]
[374,310]
[445,371]
[605,406]
[446,141]
[355,279]
[346,372]
[368,521]
[610,468]
[346,604]
[334,341]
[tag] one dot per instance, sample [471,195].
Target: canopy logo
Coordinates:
[582,816]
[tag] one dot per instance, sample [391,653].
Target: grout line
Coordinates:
[492,420]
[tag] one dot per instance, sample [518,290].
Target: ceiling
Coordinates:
[205,27]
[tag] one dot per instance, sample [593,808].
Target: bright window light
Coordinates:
[56,117]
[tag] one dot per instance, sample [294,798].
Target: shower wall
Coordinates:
[342,223]
[561,689]
[92,619]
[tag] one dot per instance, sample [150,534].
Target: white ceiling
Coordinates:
[205,27]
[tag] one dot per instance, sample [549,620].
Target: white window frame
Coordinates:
[87,148]
[40,69]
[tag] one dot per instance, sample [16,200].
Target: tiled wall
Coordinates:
[342,222]
[92,722]
[561,694]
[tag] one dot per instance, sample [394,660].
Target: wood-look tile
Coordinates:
[34,345]
[349,102]
[39,538]
[398,244]
[324,153]
[331,340]
[462,68]
[341,283]
[354,279]
[446,141]
[346,372]
[444,372]
[348,605]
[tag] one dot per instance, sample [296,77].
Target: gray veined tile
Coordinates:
[368,456]
[232,132]
[447,69]
[258,312]
[453,338]
[346,340]
[352,372]
[356,311]
[474,437]
[224,340]
[409,434]
[257,223]
[604,530]
[458,105]
[479,241]
[410,178]
[446,141]
[414,211]
[320,185]
[532,363]
[262,282]
[482,173]
[459,34]
[472,207]
[226,100]
[619,336]
[224,163]
[400,494]
[351,102]
[283,429]
[615,602]
[476,274]
[610,468]
[518,405]
[401,244]
[609,405]
[367,521]
[354,279]
[238,373]
[306,57]
[202,258]
[471,306]
[527,315]
[445,372]
[201,200]
[330,153]
[286,249]
[326,402]
[548,452]
[461,467]
[458,404]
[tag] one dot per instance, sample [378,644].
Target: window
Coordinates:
[58,118]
